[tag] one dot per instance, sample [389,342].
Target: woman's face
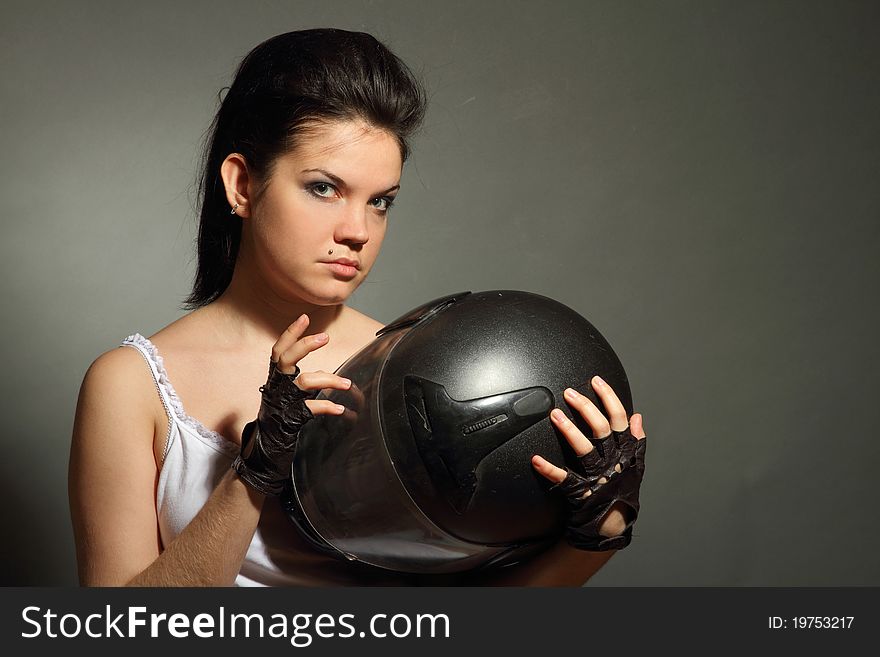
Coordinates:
[330,194]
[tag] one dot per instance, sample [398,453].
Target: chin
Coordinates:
[331,294]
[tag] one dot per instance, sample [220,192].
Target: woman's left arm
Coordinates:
[603,495]
[559,565]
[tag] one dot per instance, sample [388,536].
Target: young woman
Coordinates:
[303,164]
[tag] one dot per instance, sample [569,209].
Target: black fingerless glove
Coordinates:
[587,513]
[268,443]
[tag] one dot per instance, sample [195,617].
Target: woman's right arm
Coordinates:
[113,472]
[112,487]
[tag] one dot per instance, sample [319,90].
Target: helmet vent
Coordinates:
[484,424]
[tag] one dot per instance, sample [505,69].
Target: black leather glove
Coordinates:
[587,512]
[268,443]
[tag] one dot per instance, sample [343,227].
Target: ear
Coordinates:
[237,182]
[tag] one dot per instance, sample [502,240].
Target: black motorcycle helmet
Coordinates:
[429,469]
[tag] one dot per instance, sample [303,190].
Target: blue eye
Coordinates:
[383,203]
[322,189]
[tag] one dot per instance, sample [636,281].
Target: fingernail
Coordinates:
[558,415]
[346,383]
[340,408]
[598,380]
[320,337]
[571,392]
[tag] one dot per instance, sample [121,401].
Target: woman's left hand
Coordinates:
[604,493]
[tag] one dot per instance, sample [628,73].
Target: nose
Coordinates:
[352,225]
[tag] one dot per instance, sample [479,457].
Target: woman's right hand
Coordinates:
[268,443]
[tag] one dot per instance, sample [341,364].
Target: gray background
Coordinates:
[699,179]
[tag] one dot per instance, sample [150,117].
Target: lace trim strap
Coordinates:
[149,350]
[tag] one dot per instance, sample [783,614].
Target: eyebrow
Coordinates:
[339,181]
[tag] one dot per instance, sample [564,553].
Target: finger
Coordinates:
[352,399]
[613,407]
[355,397]
[588,410]
[324,407]
[573,435]
[290,335]
[349,417]
[548,470]
[319,380]
[288,359]
[636,427]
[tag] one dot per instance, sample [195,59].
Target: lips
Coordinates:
[345,261]
[344,267]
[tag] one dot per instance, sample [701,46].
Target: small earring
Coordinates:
[330,252]
[234,208]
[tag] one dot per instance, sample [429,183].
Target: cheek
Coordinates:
[378,234]
[288,231]
[278,249]
[375,244]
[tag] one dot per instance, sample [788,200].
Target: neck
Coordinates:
[250,312]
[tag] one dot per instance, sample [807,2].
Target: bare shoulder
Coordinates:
[354,331]
[361,325]
[120,372]
[118,387]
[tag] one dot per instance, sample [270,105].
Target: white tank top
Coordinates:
[195,458]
